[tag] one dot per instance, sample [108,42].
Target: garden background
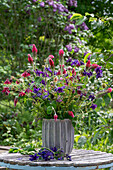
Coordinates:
[27,22]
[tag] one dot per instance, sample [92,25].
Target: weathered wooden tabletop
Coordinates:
[81,160]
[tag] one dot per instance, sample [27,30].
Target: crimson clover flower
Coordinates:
[51,62]
[34,49]
[30,59]
[61,52]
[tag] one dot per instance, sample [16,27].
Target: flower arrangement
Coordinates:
[58,91]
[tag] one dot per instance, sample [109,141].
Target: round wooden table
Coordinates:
[81,160]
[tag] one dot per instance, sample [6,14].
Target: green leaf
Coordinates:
[99,102]
[49,110]
[76,16]
[95,136]
[80,21]
[103,120]
[106,99]
[86,56]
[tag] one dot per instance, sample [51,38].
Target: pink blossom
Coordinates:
[21,94]
[15,101]
[17,82]
[25,74]
[6,90]
[109,90]
[71,113]
[55,117]
[61,52]
[7,81]
[95,65]
[30,59]
[34,49]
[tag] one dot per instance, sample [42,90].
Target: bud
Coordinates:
[104,85]
[71,113]
[55,117]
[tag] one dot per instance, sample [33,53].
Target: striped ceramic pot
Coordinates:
[59,134]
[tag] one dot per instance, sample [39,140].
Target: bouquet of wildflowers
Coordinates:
[58,91]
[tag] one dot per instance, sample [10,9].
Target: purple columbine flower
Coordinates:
[33,157]
[75,62]
[99,72]
[38,72]
[90,74]
[58,99]
[36,90]
[39,94]
[69,16]
[84,73]
[69,47]
[93,106]
[39,19]
[91,96]
[81,62]
[48,69]
[42,4]
[45,96]
[43,82]
[60,89]
[76,49]
[69,60]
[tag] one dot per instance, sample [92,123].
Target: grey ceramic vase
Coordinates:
[59,134]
